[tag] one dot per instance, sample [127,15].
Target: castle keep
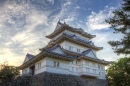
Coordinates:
[70,51]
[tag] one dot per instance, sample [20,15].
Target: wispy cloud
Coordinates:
[24,25]
[97,20]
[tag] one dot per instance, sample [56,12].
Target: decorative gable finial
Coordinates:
[59,20]
[64,22]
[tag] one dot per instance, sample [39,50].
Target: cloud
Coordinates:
[24,25]
[101,40]
[69,19]
[97,20]
[77,7]
[51,1]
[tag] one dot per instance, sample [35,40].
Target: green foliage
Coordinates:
[118,73]
[120,22]
[8,73]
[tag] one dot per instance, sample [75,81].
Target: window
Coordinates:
[56,64]
[102,68]
[93,64]
[78,50]
[70,48]
[25,71]
[76,62]
[39,65]
[99,67]
[87,63]
[87,70]
[94,71]
[76,69]
[101,74]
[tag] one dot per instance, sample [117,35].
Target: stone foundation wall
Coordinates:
[51,79]
[21,81]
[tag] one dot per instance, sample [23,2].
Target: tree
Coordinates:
[118,73]
[8,73]
[120,22]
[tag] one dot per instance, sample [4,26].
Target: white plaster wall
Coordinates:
[47,64]
[71,33]
[42,69]
[92,66]
[27,71]
[66,44]
[74,67]
[101,70]
[77,34]
[62,69]
[57,36]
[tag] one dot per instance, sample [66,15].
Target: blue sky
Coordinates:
[25,23]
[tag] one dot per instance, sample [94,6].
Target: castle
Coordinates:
[70,51]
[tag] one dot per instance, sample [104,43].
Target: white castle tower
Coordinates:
[70,51]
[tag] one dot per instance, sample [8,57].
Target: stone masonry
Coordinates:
[51,79]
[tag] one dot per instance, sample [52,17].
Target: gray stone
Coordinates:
[52,79]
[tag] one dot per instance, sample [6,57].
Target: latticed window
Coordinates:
[87,70]
[39,65]
[94,71]
[70,48]
[56,64]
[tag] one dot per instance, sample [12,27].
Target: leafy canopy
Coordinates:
[8,73]
[118,73]
[120,22]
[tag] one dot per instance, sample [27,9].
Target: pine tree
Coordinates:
[121,24]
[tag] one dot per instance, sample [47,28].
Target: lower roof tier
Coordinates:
[59,53]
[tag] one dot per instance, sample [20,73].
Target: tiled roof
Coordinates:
[77,38]
[60,27]
[50,50]
[59,24]
[86,52]
[74,37]
[50,53]
[29,56]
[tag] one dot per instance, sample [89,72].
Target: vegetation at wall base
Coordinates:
[8,73]
[118,73]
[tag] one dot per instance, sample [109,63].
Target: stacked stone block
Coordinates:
[51,79]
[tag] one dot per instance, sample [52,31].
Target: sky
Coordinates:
[25,23]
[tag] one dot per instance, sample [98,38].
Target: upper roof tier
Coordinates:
[63,26]
[73,39]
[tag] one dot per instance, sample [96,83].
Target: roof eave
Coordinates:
[63,27]
[38,57]
[67,38]
[96,60]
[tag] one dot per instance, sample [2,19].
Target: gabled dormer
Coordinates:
[89,53]
[56,49]
[28,57]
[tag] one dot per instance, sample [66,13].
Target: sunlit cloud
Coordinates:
[24,25]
